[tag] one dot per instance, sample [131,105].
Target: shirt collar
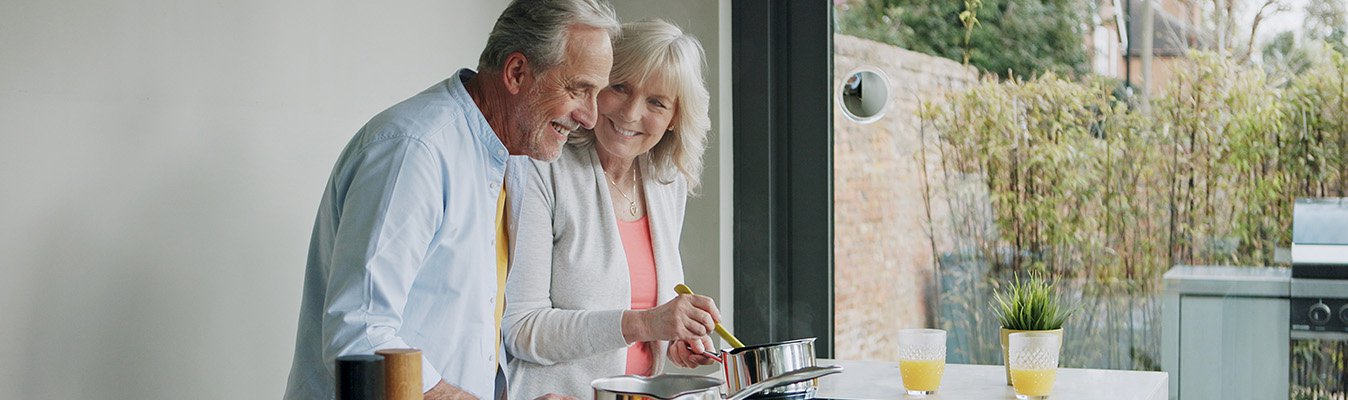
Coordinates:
[478,122]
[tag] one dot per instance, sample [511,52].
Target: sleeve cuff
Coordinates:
[609,330]
[429,377]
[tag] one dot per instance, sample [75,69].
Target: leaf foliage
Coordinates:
[1031,304]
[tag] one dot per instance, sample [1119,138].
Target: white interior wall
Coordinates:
[162,161]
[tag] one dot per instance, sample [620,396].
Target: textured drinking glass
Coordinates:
[1034,363]
[921,360]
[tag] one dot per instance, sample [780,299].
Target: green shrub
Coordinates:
[1061,176]
[1031,304]
[1021,38]
[1090,186]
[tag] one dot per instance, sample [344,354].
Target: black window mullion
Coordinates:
[782,70]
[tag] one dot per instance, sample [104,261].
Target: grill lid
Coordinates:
[1320,238]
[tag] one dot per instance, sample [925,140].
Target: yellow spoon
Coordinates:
[720,330]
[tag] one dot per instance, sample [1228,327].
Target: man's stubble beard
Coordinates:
[539,130]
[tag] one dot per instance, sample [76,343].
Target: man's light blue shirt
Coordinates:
[403,252]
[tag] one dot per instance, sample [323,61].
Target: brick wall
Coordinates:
[883,255]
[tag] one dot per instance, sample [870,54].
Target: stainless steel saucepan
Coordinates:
[745,366]
[694,387]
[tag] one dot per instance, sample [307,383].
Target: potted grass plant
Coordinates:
[1029,305]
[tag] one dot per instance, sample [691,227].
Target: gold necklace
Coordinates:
[631,204]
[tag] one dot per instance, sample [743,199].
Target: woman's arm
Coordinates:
[534,330]
[537,332]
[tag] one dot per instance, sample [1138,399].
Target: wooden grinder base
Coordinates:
[402,374]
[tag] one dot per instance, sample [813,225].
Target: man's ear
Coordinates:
[516,74]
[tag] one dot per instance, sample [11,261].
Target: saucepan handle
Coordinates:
[803,374]
[720,358]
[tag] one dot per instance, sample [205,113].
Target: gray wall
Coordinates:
[162,161]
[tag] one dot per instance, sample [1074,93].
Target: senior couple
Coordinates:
[429,236]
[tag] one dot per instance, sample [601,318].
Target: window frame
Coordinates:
[782,57]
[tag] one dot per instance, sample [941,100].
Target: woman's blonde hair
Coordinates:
[655,48]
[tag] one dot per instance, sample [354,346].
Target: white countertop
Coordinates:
[1229,281]
[880,380]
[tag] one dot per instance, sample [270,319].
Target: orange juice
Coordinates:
[1033,382]
[921,375]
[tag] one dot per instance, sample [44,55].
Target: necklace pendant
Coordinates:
[632,208]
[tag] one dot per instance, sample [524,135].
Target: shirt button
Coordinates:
[500,153]
[493,185]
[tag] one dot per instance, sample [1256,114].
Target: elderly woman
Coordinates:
[581,300]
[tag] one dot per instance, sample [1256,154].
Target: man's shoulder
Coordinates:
[437,116]
[430,112]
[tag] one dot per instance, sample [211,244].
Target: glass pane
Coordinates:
[1079,142]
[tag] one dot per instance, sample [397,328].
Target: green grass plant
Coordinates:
[1031,304]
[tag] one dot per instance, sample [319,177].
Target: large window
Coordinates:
[1062,137]
[899,162]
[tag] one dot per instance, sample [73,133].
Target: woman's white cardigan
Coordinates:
[569,281]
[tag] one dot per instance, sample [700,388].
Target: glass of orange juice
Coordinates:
[1034,363]
[921,360]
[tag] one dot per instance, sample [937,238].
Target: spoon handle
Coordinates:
[720,330]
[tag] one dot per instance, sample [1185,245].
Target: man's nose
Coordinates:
[588,113]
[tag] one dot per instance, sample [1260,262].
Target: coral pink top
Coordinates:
[636,236]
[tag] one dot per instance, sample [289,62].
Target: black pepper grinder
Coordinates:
[360,377]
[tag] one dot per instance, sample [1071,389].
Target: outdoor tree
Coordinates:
[1328,20]
[1004,37]
[1283,58]
[1287,55]
[1266,10]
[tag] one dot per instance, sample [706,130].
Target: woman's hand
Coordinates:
[684,317]
[690,353]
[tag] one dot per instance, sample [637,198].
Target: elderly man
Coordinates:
[408,248]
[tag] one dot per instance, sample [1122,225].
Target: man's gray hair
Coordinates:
[539,30]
